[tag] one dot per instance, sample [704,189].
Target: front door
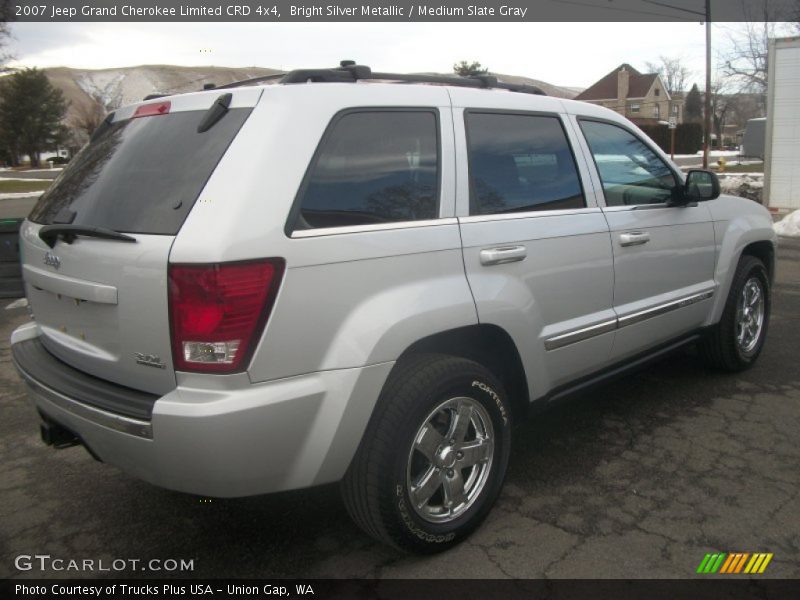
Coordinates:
[663,255]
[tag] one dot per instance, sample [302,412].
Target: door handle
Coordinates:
[503,254]
[634,238]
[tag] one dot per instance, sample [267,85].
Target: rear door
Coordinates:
[536,247]
[101,305]
[663,255]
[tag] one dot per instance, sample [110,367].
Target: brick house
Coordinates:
[641,97]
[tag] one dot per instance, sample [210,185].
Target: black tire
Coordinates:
[719,347]
[376,489]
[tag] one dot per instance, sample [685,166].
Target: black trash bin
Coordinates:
[10,269]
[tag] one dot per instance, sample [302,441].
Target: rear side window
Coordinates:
[520,163]
[374,166]
[141,175]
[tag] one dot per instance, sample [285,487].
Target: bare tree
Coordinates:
[88,116]
[746,59]
[721,107]
[673,72]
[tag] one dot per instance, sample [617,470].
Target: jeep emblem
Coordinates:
[51,260]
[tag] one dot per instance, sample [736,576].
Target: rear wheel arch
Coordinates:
[488,345]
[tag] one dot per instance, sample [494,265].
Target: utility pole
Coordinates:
[707,120]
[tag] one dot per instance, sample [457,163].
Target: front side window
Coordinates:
[631,173]
[520,163]
[374,166]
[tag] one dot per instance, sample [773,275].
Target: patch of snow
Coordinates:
[11,195]
[711,154]
[21,303]
[789,226]
[23,179]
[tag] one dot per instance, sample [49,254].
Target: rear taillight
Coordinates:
[218,311]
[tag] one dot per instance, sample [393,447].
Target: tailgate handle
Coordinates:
[503,254]
[69,286]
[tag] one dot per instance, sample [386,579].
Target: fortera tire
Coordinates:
[735,343]
[434,455]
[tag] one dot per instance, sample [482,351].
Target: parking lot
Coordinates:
[638,479]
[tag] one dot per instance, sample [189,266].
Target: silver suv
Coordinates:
[367,277]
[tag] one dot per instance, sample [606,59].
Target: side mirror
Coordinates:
[701,185]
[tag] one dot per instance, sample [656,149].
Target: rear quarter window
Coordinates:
[141,175]
[373,166]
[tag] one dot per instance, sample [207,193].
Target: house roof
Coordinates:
[606,88]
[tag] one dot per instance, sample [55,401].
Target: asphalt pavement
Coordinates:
[640,479]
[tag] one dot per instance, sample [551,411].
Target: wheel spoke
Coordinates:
[475,452]
[428,441]
[755,295]
[453,487]
[460,422]
[426,486]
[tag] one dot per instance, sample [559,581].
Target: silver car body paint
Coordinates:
[353,299]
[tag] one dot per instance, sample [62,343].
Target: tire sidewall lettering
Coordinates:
[494,396]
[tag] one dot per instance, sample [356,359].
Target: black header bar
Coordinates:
[400,11]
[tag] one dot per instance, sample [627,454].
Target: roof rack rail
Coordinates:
[349,72]
[251,81]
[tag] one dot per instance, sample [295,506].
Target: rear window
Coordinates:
[141,175]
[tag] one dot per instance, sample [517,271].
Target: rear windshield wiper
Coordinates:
[49,234]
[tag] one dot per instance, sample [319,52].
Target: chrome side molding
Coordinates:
[585,333]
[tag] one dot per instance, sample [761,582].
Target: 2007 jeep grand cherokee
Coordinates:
[367,277]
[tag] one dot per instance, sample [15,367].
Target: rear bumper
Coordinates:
[250,439]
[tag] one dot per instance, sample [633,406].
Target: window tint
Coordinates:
[630,171]
[374,167]
[520,163]
[141,175]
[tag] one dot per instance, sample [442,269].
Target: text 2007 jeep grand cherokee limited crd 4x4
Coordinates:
[367,277]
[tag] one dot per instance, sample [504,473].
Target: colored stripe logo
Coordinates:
[735,563]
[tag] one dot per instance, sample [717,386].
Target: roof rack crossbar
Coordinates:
[349,73]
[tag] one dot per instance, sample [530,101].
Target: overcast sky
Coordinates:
[569,54]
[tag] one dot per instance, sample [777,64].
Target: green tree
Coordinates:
[5,34]
[693,106]
[31,110]
[466,69]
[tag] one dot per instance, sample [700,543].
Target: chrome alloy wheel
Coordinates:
[450,460]
[750,315]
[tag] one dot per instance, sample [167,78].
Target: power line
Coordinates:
[625,10]
[680,8]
